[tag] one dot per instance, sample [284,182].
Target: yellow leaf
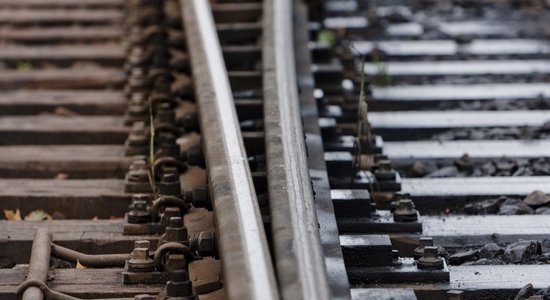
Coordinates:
[11,215]
[38,215]
[79,266]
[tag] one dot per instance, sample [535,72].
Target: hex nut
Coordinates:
[206,243]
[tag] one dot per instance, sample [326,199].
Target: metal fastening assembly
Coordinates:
[137,141]
[455,295]
[139,213]
[175,231]
[194,156]
[199,197]
[140,261]
[205,244]
[405,212]
[430,260]
[422,243]
[137,178]
[426,242]
[385,171]
[169,185]
[179,286]
[190,121]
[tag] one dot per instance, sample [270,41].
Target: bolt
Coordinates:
[179,286]
[194,156]
[140,261]
[385,171]
[198,196]
[455,295]
[206,243]
[175,231]
[422,242]
[142,244]
[139,213]
[395,254]
[169,213]
[430,260]
[190,121]
[142,197]
[405,212]
[169,185]
[138,172]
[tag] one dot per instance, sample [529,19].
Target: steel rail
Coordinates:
[246,262]
[296,240]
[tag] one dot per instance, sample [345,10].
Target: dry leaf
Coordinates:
[62,176]
[116,218]
[95,218]
[79,266]
[38,215]
[11,215]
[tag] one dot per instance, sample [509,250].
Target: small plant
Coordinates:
[23,66]
[152,148]
[326,37]
[362,126]
[382,78]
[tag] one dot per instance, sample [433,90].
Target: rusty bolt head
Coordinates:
[175,231]
[140,261]
[139,206]
[385,165]
[141,197]
[422,243]
[170,185]
[198,197]
[138,176]
[455,295]
[430,260]
[142,244]
[139,213]
[206,243]
[405,212]
[179,285]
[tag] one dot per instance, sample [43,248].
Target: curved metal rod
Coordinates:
[182,166]
[39,263]
[48,293]
[168,201]
[171,247]
[94,261]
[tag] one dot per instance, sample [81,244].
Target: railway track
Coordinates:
[183,150]
[457,91]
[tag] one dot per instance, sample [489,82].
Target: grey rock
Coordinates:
[462,257]
[522,251]
[464,163]
[536,198]
[490,251]
[484,262]
[489,206]
[525,292]
[421,169]
[545,210]
[515,207]
[450,171]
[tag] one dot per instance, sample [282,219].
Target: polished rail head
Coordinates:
[245,256]
[299,256]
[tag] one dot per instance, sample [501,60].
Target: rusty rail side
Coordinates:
[246,262]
